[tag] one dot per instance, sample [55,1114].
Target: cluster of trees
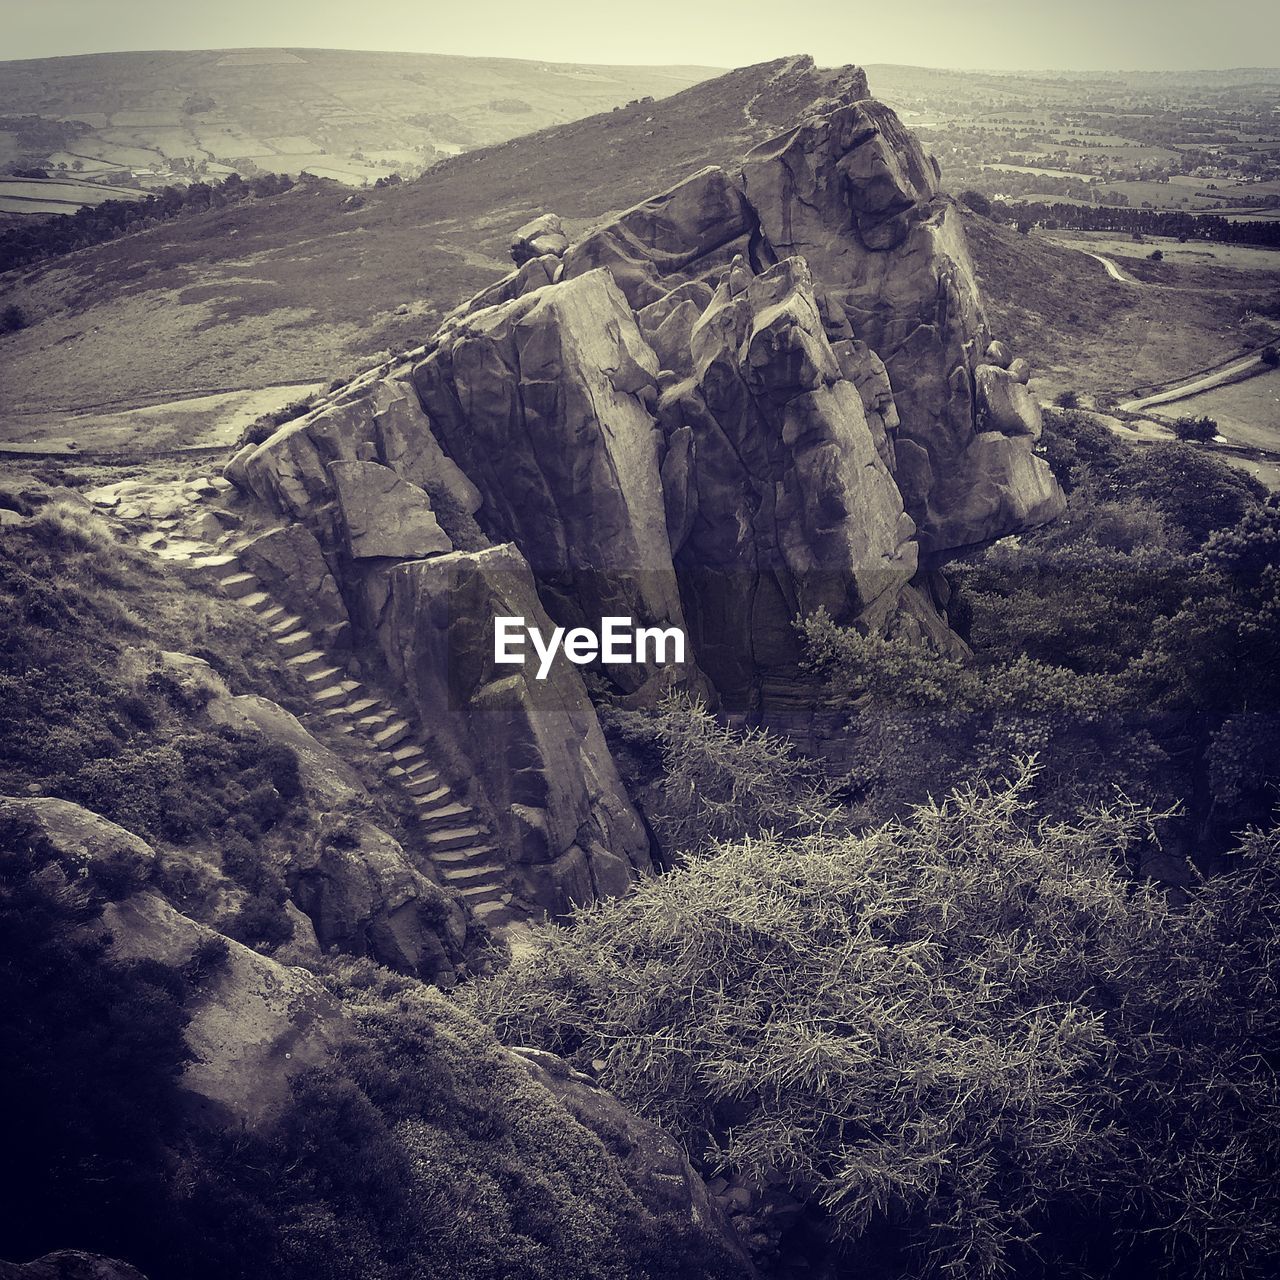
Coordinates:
[35,239]
[1152,222]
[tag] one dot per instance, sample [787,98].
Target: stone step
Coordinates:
[271,616]
[407,756]
[337,713]
[390,735]
[453,838]
[474,874]
[309,660]
[258,601]
[472,853]
[239,584]
[476,893]
[365,705]
[290,622]
[430,789]
[332,696]
[295,642]
[321,677]
[445,815]
[214,562]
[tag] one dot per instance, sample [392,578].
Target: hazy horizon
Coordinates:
[998,36]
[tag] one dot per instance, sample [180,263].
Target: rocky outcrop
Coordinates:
[853,193]
[538,752]
[796,509]
[546,403]
[384,516]
[70,1264]
[654,1165]
[754,395]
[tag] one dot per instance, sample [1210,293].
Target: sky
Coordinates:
[985,34]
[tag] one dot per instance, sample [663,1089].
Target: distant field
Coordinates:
[186,423]
[57,195]
[287,110]
[1197,253]
[1247,412]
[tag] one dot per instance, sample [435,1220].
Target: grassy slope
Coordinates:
[1085,331]
[299,286]
[210,104]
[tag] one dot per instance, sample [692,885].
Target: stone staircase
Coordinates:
[453,836]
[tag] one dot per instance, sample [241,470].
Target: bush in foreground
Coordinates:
[969,1043]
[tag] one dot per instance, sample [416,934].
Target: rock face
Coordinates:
[557,802]
[385,517]
[754,395]
[795,507]
[70,1264]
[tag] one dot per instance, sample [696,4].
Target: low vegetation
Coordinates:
[422,1150]
[964,1044]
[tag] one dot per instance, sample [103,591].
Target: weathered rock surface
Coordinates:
[543,402]
[290,563]
[856,196]
[538,752]
[385,516]
[70,1264]
[364,897]
[654,1164]
[537,238]
[753,395]
[796,509]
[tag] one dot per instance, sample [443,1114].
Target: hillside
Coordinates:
[302,286]
[350,115]
[1091,333]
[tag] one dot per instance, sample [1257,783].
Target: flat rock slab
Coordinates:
[386,517]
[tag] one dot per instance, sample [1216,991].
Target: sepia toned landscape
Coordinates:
[633,671]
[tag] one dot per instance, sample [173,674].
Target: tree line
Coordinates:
[38,239]
[1183,226]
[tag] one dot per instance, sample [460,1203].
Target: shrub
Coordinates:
[1067,399]
[721,785]
[12,318]
[1201,429]
[1270,357]
[968,1042]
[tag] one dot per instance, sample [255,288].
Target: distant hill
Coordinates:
[351,116]
[301,286]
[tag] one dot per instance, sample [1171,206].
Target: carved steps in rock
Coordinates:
[295,642]
[459,847]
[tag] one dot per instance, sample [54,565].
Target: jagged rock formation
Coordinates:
[756,394]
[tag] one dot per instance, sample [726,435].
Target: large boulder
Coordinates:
[364,896]
[544,401]
[700,224]
[537,238]
[384,516]
[534,745]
